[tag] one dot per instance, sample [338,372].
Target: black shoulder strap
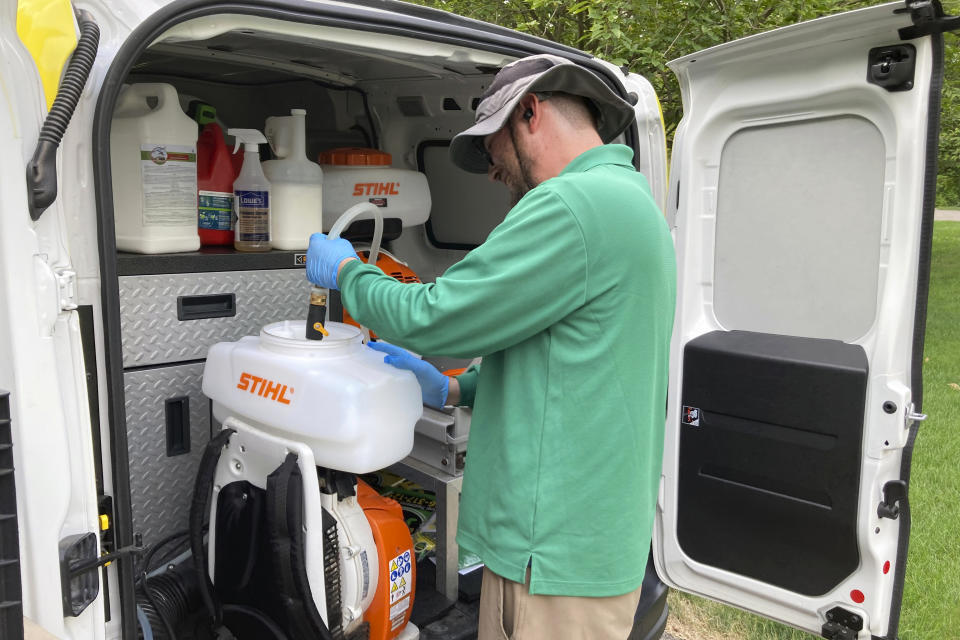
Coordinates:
[199,507]
[285,527]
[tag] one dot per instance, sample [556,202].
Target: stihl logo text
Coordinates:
[264,388]
[376,189]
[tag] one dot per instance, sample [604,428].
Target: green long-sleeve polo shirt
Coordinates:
[570,302]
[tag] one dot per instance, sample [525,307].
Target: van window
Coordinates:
[465,206]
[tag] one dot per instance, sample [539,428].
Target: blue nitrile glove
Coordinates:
[324,257]
[433,384]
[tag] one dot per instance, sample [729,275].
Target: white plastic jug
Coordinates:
[336,395]
[355,175]
[296,183]
[153,159]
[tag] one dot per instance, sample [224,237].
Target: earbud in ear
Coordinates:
[528,114]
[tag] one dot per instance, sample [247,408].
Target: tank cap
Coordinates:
[355,156]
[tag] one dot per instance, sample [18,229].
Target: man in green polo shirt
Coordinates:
[570,303]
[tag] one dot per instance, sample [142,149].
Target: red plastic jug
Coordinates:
[215,176]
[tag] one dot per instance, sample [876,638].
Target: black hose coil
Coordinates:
[42,169]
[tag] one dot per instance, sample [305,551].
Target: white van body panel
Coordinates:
[42,354]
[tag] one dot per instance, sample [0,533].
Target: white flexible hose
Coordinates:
[344,221]
[353,212]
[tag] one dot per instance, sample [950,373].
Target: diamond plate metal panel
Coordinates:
[161,487]
[152,334]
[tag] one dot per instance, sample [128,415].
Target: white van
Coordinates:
[800,195]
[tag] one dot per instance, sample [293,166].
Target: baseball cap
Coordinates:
[539,73]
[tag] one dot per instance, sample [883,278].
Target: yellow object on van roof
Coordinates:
[49,31]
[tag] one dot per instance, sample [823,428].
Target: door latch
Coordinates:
[911,416]
[67,286]
[892,67]
[893,492]
[841,625]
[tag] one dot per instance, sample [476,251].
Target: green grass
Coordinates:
[931,602]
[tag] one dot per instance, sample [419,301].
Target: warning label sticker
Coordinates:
[397,612]
[690,416]
[401,576]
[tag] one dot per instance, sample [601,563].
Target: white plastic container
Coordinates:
[352,176]
[336,395]
[296,183]
[153,157]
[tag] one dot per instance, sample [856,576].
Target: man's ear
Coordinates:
[530,110]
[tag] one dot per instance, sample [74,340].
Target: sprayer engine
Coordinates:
[292,532]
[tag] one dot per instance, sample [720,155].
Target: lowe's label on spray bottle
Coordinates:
[169,184]
[253,216]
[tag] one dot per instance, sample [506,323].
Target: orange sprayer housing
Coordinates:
[392,604]
[392,268]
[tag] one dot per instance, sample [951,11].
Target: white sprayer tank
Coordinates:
[153,161]
[355,175]
[336,395]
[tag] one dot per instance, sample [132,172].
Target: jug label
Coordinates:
[253,216]
[169,184]
[215,210]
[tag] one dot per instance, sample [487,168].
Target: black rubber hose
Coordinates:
[42,169]
[168,599]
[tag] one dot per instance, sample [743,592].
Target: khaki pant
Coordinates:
[509,612]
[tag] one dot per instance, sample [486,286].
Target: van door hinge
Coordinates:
[894,492]
[841,625]
[928,18]
[67,284]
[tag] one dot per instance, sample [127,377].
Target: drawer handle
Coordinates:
[215,305]
[177,414]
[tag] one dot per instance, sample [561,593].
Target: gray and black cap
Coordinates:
[540,73]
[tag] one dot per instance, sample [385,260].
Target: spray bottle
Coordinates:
[251,194]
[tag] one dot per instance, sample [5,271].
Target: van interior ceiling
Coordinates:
[405,96]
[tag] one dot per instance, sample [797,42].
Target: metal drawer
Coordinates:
[161,485]
[155,311]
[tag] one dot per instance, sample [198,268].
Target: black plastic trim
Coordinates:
[767,465]
[206,260]
[89,346]
[11,588]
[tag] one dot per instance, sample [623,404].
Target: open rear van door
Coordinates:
[802,191]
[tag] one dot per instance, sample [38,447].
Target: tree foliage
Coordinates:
[643,35]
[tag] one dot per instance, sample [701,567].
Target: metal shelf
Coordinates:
[447,489]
